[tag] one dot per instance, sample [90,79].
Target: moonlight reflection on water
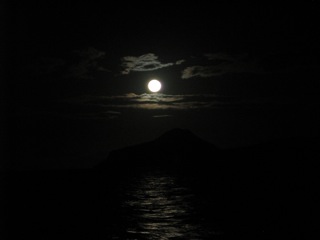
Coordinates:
[157,207]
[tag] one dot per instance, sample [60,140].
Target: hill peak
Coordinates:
[178,135]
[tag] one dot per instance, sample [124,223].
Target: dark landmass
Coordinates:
[181,150]
[174,150]
[259,192]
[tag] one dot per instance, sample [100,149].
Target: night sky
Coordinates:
[233,73]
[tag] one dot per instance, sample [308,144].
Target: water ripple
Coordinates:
[156,206]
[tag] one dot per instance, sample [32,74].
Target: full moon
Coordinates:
[154,85]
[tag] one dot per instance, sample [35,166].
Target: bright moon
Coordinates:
[154,85]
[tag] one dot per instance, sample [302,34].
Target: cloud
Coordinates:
[162,116]
[295,61]
[113,112]
[201,71]
[103,69]
[221,63]
[45,66]
[162,101]
[75,111]
[157,98]
[146,62]
[94,115]
[91,61]
[90,53]
[223,56]
[81,64]
[179,62]
[111,108]
[148,101]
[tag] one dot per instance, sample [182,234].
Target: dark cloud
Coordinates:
[113,107]
[180,61]
[146,62]
[45,66]
[289,62]
[162,116]
[149,101]
[71,109]
[201,71]
[218,64]
[160,101]
[91,61]
[81,64]
[92,115]
[223,56]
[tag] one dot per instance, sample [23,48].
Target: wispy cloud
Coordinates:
[45,66]
[224,56]
[74,112]
[292,62]
[149,101]
[179,62]
[80,64]
[111,108]
[201,71]
[160,101]
[162,116]
[221,63]
[146,62]
[90,61]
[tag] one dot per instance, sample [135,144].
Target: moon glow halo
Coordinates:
[154,85]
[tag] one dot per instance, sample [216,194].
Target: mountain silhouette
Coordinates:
[177,148]
[181,149]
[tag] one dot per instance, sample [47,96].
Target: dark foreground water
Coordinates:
[152,205]
[148,205]
[157,206]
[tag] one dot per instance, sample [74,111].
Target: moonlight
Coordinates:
[154,85]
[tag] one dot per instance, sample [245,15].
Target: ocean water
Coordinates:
[149,205]
[154,205]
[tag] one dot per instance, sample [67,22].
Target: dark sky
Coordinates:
[233,72]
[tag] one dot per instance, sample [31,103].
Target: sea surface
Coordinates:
[150,205]
[156,205]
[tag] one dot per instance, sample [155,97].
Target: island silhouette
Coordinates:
[181,149]
[175,149]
